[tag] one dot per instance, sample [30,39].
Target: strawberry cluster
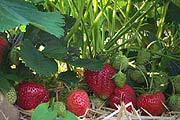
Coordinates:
[102,84]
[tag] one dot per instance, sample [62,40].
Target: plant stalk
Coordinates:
[128,8]
[162,19]
[76,25]
[136,17]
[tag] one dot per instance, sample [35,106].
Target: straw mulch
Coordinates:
[121,113]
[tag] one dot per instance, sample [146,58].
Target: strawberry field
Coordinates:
[89,59]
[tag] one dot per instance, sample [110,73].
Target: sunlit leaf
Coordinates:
[68,116]
[42,112]
[18,12]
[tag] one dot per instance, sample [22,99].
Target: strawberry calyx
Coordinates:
[143,56]
[120,79]
[120,61]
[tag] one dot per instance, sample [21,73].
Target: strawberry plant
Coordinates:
[100,47]
[43,111]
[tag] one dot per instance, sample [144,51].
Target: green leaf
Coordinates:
[23,72]
[32,33]
[13,77]
[173,12]
[122,3]
[42,112]
[176,2]
[35,60]
[69,77]
[172,67]
[68,116]
[18,12]
[55,49]
[4,84]
[69,22]
[36,1]
[152,37]
[90,64]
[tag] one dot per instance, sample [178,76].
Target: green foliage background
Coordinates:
[85,34]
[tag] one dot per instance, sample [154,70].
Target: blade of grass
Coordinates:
[113,18]
[162,19]
[136,17]
[128,8]
[86,33]
[96,20]
[76,25]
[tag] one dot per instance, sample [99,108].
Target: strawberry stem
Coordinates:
[147,84]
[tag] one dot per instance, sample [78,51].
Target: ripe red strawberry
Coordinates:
[3,43]
[78,102]
[31,94]
[100,82]
[153,103]
[124,94]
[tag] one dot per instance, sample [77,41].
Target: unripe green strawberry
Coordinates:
[11,95]
[143,56]
[120,79]
[61,108]
[14,56]
[160,81]
[120,61]
[176,84]
[174,102]
[137,75]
